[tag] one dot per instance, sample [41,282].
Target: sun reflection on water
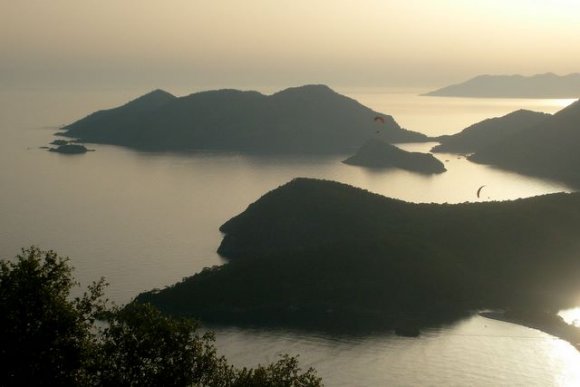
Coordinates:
[571,316]
[566,370]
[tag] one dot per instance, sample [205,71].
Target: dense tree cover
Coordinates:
[44,336]
[49,338]
[326,255]
[306,119]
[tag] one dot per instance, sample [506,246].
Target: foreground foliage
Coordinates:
[47,338]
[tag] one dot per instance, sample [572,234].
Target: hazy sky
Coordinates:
[259,43]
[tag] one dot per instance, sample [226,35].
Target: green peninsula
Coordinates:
[323,255]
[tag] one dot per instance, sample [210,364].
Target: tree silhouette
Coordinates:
[49,338]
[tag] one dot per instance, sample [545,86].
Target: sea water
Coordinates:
[146,220]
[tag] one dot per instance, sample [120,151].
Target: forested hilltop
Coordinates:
[324,255]
[306,119]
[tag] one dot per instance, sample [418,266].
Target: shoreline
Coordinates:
[548,323]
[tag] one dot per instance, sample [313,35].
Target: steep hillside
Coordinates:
[487,132]
[549,149]
[307,119]
[324,255]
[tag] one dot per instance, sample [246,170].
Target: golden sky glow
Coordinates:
[259,42]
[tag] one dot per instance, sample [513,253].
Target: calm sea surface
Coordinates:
[147,220]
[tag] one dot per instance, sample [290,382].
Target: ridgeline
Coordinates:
[548,149]
[487,132]
[546,85]
[307,119]
[323,255]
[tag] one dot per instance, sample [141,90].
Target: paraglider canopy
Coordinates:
[380,119]
[479,190]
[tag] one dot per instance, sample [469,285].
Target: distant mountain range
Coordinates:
[324,255]
[307,119]
[514,86]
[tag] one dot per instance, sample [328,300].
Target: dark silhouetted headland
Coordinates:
[307,119]
[549,149]
[492,130]
[544,321]
[324,255]
[514,86]
[379,154]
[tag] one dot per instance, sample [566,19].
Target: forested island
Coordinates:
[306,119]
[378,154]
[323,255]
[546,85]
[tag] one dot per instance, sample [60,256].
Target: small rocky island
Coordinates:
[60,142]
[70,149]
[376,153]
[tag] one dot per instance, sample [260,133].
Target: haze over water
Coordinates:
[147,220]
